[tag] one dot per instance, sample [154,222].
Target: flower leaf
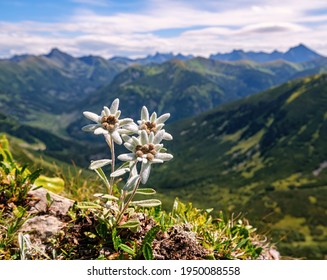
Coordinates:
[147,203]
[146,191]
[95,164]
[88,205]
[126,249]
[133,223]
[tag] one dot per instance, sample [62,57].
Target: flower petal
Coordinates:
[164,156]
[144,114]
[92,116]
[117,114]
[100,130]
[151,137]
[158,137]
[156,160]
[144,137]
[163,118]
[153,117]
[90,127]
[114,106]
[160,126]
[132,127]
[125,121]
[146,172]
[116,137]
[126,157]
[129,146]
[167,136]
[106,111]
[136,141]
[127,138]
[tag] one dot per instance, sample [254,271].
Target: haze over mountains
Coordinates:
[264,153]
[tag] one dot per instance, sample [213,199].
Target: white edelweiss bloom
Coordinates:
[153,123]
[146,149]
[109,123]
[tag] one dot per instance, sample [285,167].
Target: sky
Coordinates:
[143,27]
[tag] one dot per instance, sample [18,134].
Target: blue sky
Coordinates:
[138,28]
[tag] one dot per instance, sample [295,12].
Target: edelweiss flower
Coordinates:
[146,149]
[109,123]
[153,124]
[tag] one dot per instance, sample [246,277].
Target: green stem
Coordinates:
[111,145]
[112,179]
[130,197]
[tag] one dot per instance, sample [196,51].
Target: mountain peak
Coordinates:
[300,53]
[56,53]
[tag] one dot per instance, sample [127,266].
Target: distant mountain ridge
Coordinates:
[297,54]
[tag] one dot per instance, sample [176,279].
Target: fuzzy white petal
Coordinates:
[153,117]
[106,111]
[144,137]
[90,127]
[136,141]
[126,157]
[146,172]
[125,121]
[114,106]
[127,138]
[158,137]
[92,116]
[167,136]
[117,114]
[160,126]
[156,160]
[129,146]
[164,156]
[132,127]
[163,118]
[158,146]
[116,137]
[151,137]
[100,130]
[144,114]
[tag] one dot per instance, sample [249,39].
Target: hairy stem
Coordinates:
[111,145]
[130,197]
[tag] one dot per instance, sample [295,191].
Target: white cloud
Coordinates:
[214,26]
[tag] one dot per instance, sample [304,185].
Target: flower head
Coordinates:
[109,123]
[153,123]
[146,149]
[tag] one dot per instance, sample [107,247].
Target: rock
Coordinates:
[59,205]
[47,219]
